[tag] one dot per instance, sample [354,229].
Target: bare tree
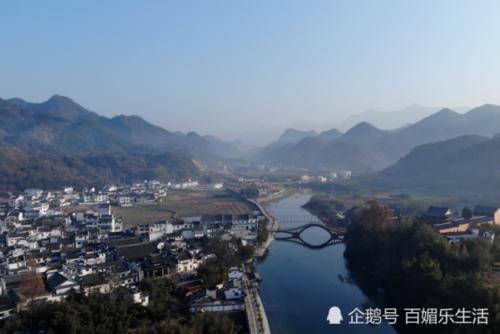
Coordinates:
[32,284]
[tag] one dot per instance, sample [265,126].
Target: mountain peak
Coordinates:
[130,121]
[62,101]
[16,100]
[443,115]
[57,97]
[363,133]
[363,127]
[62,107]
[483,112]
[291,136]
[446,111]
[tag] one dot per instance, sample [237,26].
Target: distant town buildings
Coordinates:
[332,176]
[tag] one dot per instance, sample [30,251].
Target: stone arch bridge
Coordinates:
[293,234]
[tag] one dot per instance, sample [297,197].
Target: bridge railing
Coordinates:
[296,219]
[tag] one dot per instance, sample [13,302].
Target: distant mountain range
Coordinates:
[389,120]
[61,124]
[60,142]
[366,149]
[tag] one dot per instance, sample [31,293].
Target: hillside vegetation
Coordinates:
[58,142]
[20,169]
[465,166]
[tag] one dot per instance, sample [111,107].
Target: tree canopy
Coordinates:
[417,267]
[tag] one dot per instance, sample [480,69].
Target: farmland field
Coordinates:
[142,214]
[183,203]
[195,203]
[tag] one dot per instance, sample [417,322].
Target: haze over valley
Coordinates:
[84,147]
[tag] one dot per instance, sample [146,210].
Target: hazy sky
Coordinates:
[244,68]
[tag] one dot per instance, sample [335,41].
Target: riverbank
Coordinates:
[324,209]
[283,193]
[254,308]
[272,225]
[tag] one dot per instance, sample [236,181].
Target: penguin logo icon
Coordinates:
[334,316]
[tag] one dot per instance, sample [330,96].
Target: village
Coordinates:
[54,243]
[57,243]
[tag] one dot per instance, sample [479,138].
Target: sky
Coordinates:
[248,69]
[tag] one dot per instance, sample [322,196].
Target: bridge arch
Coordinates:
[294,235]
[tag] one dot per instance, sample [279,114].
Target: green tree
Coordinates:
[212,323]
[262,231]
[466,212]
[418,267]
[212,273]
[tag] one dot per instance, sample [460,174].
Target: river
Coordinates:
[301,284]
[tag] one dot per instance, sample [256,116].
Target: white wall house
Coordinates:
[233,293]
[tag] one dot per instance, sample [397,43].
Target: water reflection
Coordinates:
[315,236]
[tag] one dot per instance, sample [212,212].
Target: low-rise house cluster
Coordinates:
[226,297]
[457,228]
[189,184]
[48,251]
[34,203]
[80,254]
[243,226]
[149,191]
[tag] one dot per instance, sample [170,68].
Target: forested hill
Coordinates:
[59,142]
[464,166]
[63,125]
[20,168]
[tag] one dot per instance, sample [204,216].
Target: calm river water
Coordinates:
[301,284]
